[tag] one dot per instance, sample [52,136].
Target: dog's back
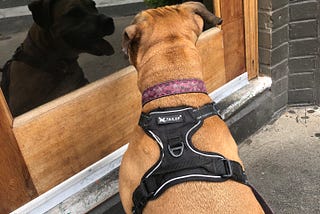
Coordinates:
[160,62]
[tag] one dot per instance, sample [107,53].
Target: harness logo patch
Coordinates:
[170,119]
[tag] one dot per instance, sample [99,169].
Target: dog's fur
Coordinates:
[62,30]
[161,45]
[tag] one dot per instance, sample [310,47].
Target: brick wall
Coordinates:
[274,47]
[289,50]
[303,51]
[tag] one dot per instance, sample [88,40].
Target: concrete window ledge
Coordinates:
[233,103]
[98,184]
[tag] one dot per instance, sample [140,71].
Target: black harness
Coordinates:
[180,161]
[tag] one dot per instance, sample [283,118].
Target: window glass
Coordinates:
[53,47]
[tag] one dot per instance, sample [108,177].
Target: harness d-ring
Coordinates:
[177,150]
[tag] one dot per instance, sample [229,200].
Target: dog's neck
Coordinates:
[40,42]
[173,87]
[39,50]
[181,62]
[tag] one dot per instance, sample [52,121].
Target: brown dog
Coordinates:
[161,45]
[45,66]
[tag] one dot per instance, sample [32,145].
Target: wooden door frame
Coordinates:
[251,37]
[16,186]
[250,8]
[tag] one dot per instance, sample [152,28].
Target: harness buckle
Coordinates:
[227,164]
[215,109]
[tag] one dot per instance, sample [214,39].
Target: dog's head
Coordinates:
[165,24]
[77,22]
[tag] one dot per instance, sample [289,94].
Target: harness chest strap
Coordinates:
[179,160]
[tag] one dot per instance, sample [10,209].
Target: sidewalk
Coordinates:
[282,161]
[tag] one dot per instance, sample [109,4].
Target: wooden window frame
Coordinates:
[250,8]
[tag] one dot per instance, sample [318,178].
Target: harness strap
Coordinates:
[174,115]
[266,208]
[217,171]
[179,160]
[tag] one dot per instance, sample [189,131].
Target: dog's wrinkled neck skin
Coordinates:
[175,48]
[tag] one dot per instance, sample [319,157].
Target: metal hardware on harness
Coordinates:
[180,161]
[177,150]
[229,169]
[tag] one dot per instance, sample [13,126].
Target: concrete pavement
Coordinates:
[282,161]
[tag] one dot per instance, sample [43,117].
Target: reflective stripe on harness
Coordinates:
[179,160]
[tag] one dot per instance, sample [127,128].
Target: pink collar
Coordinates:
[173,87]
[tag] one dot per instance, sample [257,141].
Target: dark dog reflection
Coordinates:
[45,66]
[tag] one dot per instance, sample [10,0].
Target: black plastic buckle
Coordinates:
[215,109]
[148,187]
[227,164]
[141,197]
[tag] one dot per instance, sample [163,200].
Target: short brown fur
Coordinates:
[161,45]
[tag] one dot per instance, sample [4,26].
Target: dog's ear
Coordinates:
[41,12]
[199,9]
[128,35]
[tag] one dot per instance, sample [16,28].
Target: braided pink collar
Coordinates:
[173,87]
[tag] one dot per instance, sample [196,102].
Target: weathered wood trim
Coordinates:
[72,132]
[250,8]
[16,187]
[75,194]
[251,37]
[217,9]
